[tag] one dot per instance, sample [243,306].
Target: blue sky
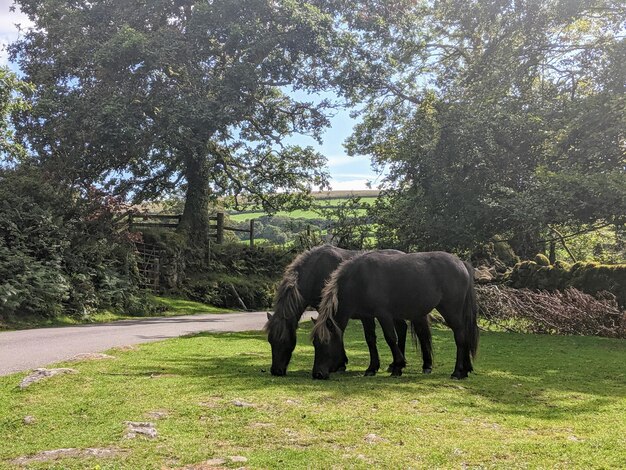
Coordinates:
[346,172]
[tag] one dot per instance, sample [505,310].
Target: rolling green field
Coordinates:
[299,214]
[534,402]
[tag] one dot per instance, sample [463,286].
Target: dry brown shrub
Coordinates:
[567,312]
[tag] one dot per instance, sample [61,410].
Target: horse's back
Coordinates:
[316,268]
[406,284]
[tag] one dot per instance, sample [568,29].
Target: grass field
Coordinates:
[301,214]
[534,402]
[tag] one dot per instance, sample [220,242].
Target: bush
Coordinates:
[231,275]
[231,291]
[61,251]
[249,261]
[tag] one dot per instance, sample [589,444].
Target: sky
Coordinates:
[347,173]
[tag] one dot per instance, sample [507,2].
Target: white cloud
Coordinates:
[8,28]
[355,185]
[340,160]
[345,160]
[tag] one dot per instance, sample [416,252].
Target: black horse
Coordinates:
[302,286]
[397,286]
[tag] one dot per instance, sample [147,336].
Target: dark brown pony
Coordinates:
[397,286]
[301,287]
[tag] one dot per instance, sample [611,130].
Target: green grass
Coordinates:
[187,307]
[173,307]
[535,401]
[301,214]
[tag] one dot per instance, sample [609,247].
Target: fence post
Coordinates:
[220,227]
[251,232]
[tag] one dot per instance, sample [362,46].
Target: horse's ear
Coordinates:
[314,320]
[269,316]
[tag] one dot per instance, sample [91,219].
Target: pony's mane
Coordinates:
[328,305]
[288,301]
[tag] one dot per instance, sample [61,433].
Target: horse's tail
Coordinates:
[328,307]
[470,313]
[422,328]
[414,337]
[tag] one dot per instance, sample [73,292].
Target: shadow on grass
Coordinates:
[545,377]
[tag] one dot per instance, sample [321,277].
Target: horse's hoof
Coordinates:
[320,376]
[396,372]
[370,373]
[458,377]
[390,368]
[341,369]
[426,370]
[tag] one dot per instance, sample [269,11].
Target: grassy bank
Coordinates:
[535,401]
[169,307]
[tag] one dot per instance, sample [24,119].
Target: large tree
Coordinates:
[497,118]
[13,99]
[144,95]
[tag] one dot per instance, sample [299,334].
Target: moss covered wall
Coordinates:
[587,277]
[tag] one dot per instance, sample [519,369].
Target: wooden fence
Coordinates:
[137,221]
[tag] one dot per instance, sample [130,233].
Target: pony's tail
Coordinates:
[327,309]
[414,337]
[422,328]
[470,313]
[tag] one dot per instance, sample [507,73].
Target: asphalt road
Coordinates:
[29,349]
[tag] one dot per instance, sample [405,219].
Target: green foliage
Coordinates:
[485,127]
[246,261]
[224,275]
[349,226]
[60,250]
[228,291]
[162,92]
[13,99]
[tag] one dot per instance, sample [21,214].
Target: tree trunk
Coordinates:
[195,219]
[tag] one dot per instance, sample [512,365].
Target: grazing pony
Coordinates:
[397,286]
[302,286]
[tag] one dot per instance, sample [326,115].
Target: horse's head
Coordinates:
[281,335]
[329,352]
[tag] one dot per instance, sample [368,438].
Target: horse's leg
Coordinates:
[344,365]
[421,327]
[369,328]
[463,365]
[400,326]
[399,363]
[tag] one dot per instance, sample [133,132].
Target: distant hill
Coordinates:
[345,194]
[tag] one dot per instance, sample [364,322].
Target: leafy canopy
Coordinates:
[148,95]
[497,118]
